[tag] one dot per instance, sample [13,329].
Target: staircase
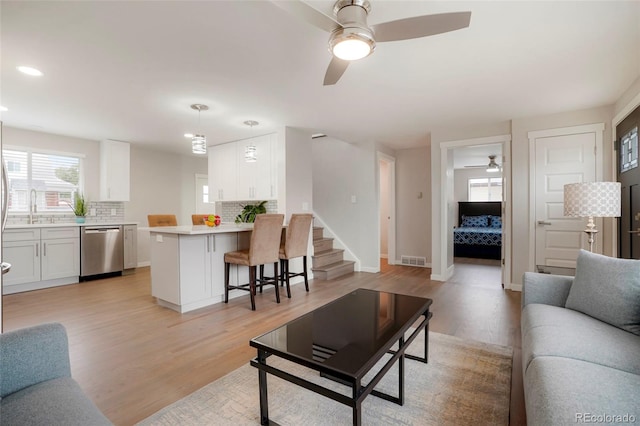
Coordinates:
[327,262]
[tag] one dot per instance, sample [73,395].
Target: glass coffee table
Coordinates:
[343,340]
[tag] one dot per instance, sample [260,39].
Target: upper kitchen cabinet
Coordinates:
[114,171]
[256,178]
[223,172]
[233,178]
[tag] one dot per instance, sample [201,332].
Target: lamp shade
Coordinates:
[592,199]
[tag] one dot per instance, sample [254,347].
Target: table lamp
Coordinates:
[592,199]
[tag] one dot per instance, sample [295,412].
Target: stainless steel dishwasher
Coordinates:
[101,250]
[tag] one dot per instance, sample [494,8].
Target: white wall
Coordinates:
[340,171]
[413,214]
[161,183]
[298,184]
[384,209]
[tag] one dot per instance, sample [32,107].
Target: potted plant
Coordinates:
[249,212]
[79,207]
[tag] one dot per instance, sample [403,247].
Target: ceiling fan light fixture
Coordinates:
[351,44]
[492,167]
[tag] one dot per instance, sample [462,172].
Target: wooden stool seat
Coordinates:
[295,245]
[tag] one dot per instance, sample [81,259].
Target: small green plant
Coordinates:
[249,212]
[79,205]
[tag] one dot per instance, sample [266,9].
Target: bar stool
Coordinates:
[263,249]
[162,220]
[294,246]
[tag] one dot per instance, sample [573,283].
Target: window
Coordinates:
[629,151]
[54,177]
[485,189]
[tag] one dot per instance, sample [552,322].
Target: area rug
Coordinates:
[464,383]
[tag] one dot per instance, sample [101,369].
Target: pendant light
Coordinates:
[250,151]
[199,141]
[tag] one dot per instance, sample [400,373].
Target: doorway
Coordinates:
[387,207]
[628,174]
[203,206]
[447,206]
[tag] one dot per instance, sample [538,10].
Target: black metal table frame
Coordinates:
[359,391]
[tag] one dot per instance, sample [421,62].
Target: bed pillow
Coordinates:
[608,289]
[481,221]
[495,222]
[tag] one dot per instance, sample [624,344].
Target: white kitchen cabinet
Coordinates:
[130,246]
[24,257]
[114,170]
[223,172]
[232,178]
[256,179]
[187,271]
[41,258]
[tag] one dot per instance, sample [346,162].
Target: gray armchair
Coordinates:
[35,380]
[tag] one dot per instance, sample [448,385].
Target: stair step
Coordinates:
[323,258]
[317,233]
[322,244]
[333,270]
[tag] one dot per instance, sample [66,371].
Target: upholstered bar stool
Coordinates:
[162,220]
[263,249]
[295,245]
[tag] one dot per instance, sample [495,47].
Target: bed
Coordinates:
[479,234]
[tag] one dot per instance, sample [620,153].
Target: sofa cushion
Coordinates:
[553,331]
[608,289]
[54,402]
[563,391]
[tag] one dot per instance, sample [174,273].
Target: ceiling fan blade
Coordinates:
[308,13]
[335,70]
[421,26]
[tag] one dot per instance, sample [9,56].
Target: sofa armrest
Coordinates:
[545,289]
[32,355]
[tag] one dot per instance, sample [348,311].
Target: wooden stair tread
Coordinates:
[327,252]
[333,266]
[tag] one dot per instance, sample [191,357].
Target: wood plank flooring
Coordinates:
[133,357]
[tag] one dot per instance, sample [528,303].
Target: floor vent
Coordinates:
[413,261]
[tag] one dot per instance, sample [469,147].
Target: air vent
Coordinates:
[414,261]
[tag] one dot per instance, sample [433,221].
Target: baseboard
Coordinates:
[143,264]
[515,287]
[369,269]
[384,256]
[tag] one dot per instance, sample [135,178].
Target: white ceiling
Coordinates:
[129,70]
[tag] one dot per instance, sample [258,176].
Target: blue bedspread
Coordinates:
[478,236]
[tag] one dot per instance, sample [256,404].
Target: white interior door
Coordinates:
[561,156]
[203,206]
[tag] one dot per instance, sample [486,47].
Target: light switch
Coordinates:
[113,212]
[305,206]
[354,199]
[159,238]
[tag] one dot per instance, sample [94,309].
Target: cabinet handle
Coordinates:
[272,190]
[109,193]
[37,249]
[213,237]
[208,245]
[44,249]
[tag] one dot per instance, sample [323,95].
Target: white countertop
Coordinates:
[66,224]
[202,229]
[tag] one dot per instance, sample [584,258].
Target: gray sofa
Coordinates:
[581,343]
[35,381]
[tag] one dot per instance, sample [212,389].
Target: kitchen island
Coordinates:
[187,264]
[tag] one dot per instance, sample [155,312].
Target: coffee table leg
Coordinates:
[262,384]
[401,373]
[357,408]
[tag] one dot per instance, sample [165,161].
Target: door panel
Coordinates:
[560,160]
[629,222]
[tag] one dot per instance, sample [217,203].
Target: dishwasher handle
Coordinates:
[100,230]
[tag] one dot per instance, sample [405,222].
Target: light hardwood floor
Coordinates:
[133,357]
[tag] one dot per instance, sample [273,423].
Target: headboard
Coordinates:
[476,208]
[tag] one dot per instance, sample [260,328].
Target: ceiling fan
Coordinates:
[492,167]
[352,39]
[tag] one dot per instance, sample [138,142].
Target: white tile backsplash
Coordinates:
[103,214]
[228,210]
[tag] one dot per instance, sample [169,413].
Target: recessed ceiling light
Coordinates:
[3,108]
[318,135]
[30,71]
[188,135]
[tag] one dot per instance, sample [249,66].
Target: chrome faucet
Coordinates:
[33,205]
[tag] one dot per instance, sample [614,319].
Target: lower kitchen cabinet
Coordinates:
[41,258]
[130,246]
[187,271]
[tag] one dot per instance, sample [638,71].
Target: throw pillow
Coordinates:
[608,289]
[481,221]
[496,222]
